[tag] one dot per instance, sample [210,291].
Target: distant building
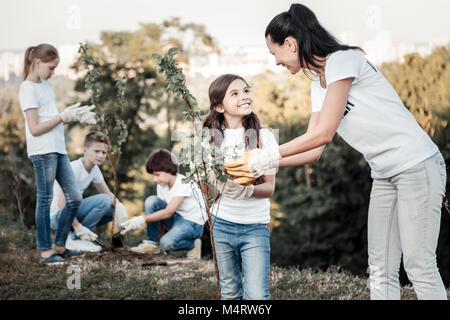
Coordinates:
[246,61]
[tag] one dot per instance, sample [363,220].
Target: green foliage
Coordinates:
[199,155]
[423,85]
[18,192]
[120,111]
[324,224]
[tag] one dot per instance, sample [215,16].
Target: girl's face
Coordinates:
[238,100]
[45,70]
[286,54]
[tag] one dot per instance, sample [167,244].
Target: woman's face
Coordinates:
[238,100]
[286,54]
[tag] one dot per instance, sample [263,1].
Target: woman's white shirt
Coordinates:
[375,122]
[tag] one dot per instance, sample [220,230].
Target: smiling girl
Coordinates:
[241,233]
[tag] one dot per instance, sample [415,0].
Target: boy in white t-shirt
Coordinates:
[174,206]
[94,210]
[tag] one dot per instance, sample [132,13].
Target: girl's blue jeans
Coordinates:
[242,249]
[48,167]
[182,232]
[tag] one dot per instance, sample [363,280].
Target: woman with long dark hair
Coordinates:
[350,96]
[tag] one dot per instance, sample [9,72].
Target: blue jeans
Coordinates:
[242,248]
[182,232]
[93,211]
[48,167]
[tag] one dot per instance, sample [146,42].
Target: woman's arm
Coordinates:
[308,156]
[266,189]
[36,128]
[330,117]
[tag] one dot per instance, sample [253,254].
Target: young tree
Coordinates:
[203,158]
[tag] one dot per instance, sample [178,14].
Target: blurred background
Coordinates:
[319,212]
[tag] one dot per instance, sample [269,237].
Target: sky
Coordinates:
[231,22]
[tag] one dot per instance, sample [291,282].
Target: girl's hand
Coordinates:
[81,114]
[253,163]
[234,191]
[69,114]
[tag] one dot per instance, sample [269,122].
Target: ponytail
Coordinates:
[312,39]
[27,62]
[44,52]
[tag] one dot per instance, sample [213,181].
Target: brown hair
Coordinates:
[216,120]
[96,136]
[45,52]
[161,160]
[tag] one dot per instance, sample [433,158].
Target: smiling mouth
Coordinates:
[245,105]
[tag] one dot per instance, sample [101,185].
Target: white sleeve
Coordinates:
[97,176]
[182,190]
[342,65]
[27,97]
[316,103]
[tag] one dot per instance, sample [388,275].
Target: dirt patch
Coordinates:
[120,255]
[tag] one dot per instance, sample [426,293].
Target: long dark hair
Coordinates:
[215,120]
[312,39]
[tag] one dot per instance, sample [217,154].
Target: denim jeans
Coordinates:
[93,211]
[242,248]
[404,217]
[48,167]
[181,234]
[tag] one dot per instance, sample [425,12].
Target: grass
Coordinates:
[119,275]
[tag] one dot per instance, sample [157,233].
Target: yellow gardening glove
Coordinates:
[240,177]
[255,162]
[241,163]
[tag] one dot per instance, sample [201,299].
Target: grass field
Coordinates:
[119,275]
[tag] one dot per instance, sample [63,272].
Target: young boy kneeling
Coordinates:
[94,210]
[174,206]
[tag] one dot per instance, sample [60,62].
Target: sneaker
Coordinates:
[82,245]
[54,259]
[147,246]
[71,253]
[196,252]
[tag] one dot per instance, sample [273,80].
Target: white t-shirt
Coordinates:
[41,96]
[247,210]
[189,208]
[84,179]
[375,122]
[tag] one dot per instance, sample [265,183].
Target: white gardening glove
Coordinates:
[121,215]
[84,233]
[134,223]
[233,190]
[85,115]
[69,114]
[254,162]
[263,160]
